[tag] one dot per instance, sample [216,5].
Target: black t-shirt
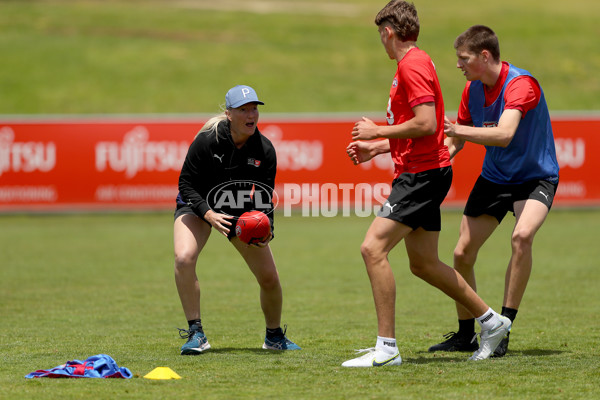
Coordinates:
[217,175]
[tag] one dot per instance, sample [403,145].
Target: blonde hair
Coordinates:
[213,124]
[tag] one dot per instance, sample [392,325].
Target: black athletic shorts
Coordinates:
[183,209]
[416,198]
[496,200]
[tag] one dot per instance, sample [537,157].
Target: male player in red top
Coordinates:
[503,108]
[415,137]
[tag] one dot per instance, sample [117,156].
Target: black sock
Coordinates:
[195,324]
[274,333]
[466,327]
[510,313]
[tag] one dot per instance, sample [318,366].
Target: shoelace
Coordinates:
[283,338]
[186,333]
[450,335]
[368,350]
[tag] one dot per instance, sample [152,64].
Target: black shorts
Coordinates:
[415,199]
[183,209]
[496,200]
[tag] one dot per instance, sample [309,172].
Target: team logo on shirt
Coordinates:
[395,82]
[254,162]
[234,197]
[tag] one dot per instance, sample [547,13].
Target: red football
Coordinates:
[253,227]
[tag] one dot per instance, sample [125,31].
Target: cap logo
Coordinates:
[239,95]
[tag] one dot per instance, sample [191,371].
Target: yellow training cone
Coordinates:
[162,373]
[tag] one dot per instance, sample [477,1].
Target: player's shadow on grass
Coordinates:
[535,352]
[246,350]
[464,356]
[431,360]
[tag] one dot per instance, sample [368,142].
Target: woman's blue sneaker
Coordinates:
[280,343]
[196,341]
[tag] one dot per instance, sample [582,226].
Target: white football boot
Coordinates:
[374,358]
[491,338]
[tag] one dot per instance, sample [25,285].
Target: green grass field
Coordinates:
[72,286]
[313,56]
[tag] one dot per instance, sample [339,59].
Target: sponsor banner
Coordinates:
[574,140]
[95,165]
[116,164]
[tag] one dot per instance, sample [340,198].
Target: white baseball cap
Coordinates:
[239,95]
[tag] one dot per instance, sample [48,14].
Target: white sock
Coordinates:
[386,344]
[488,320]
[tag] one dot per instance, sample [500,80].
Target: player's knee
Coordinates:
[522,239]
[269,282]
[420,270]
[416,269]
[365,250]
[463,258]
[185,259]
[368,251]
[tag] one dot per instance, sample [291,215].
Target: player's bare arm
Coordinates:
[365,129]
[454,145]
[500,135]
[361,151]
[422,124]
